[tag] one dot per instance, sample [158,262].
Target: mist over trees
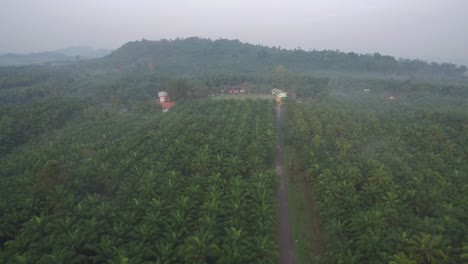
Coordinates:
[194,55]
[93,171]
[63,56]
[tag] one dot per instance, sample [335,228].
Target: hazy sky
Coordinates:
[427,29]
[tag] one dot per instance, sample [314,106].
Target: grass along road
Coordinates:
[308,244]
[285,242]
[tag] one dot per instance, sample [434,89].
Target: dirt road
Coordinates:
[284,226]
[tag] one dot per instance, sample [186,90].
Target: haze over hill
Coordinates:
[84,51]
[197,56]
[430,30]
[60,56]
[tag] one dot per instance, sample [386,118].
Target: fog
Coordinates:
[432,30]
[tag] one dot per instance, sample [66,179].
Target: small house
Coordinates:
[237,89]
[164,102]
[278,93]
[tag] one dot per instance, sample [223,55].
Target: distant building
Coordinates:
[278,93]
[165,106]
[237,89]
[164,102]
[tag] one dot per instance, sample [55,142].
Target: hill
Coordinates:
[138,69]
[11,59]
[193,56]
[60,56]
[84,52]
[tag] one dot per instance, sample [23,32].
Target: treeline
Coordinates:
[138,70]
[26,84]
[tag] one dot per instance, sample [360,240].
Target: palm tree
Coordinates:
[106,249]
[234,166]
[23,258]
[371,244]
[232,249]
[20,244]
[201,161]
[58,256]
[165,252]
[144,232]
[199,247]
[316,142]
[337,228]
[346,257]
[373,219]
[464,253]
[264,250]
[426,248]
[401,258]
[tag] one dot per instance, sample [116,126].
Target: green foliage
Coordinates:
[176,187]
[22,123]
[48,178]
[177,89]
[195,56]
[91,171]
[386,176]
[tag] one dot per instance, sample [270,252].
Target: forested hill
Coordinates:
[69,55]
[193,56]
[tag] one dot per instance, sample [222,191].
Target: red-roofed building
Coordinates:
[164,102]
[166,105]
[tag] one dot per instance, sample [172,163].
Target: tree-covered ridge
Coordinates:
[190,186]
[389,180]
[196,55]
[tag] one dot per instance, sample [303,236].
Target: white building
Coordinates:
[278,92]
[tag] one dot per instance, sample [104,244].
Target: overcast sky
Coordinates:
[434,30]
